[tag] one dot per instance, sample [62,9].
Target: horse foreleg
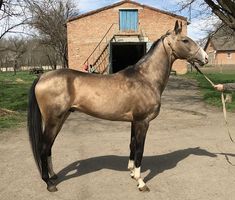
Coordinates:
[131,165]
[140,129]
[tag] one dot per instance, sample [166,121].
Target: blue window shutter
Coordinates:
[128,20]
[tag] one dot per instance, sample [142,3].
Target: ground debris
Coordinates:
[4,111]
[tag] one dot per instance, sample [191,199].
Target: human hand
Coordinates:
[219,87]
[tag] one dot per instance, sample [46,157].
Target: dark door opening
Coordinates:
[126,54]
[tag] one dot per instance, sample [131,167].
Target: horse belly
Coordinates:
[106,107]
[115,108]
[113,100]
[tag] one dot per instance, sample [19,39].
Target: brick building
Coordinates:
[220,48]
[111,38]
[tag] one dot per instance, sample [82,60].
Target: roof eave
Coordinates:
[122,2]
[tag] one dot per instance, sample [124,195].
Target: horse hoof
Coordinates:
[132,175]
[54,177]
[52,188]
[144,189]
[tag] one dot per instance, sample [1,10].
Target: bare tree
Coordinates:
[17,47]
[52,57]
[11,52]
[49,19]
[224,9]
[12,15]
[21,53]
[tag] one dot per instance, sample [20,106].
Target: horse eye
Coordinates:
[185,41]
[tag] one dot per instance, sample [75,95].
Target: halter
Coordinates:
[194,55]
[175,53]
[173,50]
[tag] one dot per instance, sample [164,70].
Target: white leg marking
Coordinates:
[137,173]
[141,183]
[50,166]
[131,165]
[137,176]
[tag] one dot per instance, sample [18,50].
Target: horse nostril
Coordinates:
[206,59]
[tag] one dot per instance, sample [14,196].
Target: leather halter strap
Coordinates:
[190,57]
[173,51]
[194,55]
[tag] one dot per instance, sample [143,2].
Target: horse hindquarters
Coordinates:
[42,141]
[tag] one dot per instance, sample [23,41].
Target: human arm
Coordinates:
[225,87]
[229,87]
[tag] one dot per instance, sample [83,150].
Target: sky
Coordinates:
[197,29]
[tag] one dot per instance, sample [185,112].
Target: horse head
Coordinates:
[184,47]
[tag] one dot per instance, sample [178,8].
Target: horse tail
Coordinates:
[35,125]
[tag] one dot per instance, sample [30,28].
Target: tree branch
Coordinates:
[222,14]
[9,29]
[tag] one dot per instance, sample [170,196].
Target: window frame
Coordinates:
[137,22]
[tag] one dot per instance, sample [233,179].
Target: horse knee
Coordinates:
[132,144]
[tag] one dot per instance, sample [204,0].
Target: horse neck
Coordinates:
[156,67]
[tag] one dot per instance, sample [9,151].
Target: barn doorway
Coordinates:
[124,54]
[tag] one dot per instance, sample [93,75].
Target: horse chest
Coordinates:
[146,111]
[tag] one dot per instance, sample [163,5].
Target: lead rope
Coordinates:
[225,115]
[222,100]
[213,85]
[224,112]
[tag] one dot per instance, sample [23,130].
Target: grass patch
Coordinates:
[210,95]
[14,96]
[12,121]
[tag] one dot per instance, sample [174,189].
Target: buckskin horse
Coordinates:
[133,95]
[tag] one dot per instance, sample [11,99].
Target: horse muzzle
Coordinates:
[200,57]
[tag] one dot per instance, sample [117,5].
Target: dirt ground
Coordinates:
[184,156]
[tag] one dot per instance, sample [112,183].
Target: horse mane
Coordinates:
[156,43]
[153,47]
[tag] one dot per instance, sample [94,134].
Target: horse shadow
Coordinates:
[155,164]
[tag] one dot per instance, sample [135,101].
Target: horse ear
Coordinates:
[178,28]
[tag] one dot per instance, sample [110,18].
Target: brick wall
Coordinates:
[222,58]
[85,33]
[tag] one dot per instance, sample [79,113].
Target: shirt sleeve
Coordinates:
[229,87]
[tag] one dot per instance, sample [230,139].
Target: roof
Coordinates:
[222,40]
[120,3]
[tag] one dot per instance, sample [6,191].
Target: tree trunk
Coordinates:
[225,10]
[1,2]
[15,66]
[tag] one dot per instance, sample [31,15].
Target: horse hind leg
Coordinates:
[52,174]
[52,128]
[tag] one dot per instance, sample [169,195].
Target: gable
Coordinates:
[222,39]
[223,43]
[126,4]
[209,46]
